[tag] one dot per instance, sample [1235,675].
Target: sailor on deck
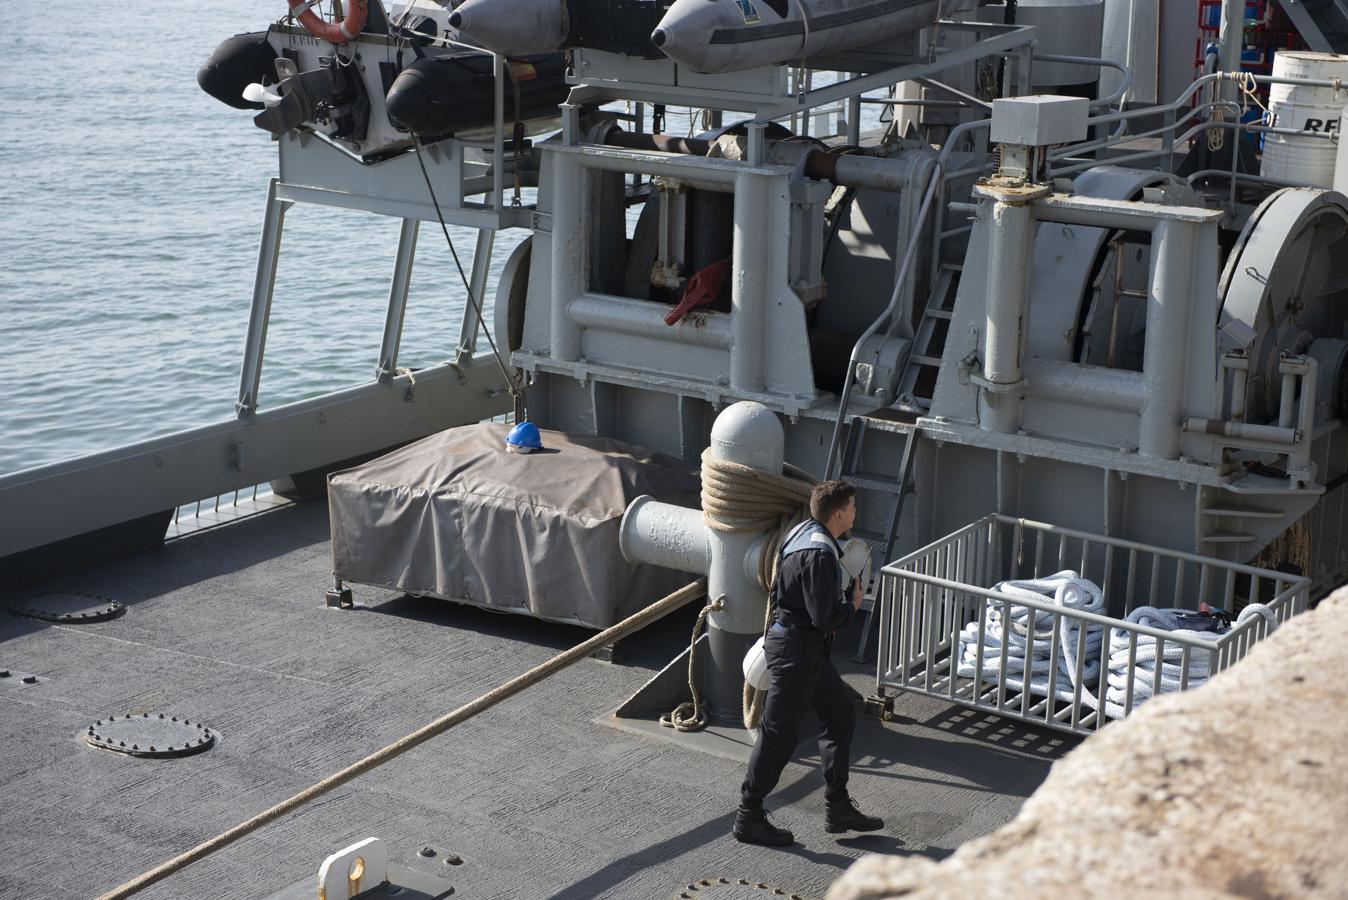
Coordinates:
[810,603]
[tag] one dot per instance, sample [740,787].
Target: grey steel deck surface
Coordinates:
[538,796]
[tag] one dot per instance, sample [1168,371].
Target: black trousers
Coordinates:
[802,676]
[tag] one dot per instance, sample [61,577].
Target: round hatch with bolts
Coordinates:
[150,734]
[66,606]
[726,889]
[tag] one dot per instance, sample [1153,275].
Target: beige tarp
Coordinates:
[457,517]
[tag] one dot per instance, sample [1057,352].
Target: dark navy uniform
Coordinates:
[811,602]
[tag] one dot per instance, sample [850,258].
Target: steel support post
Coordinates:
[397,300]
[1010,248]
[570,120]
[570,252]
[1017,77]
[1299,459]
[259,314]
[1230,38]
[477,285]
[854,120]
[750,286]
[498,132]
[757,150]
[1164,356]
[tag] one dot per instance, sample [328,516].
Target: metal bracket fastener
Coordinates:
[879,707]
[236,457]
[975,376]
[339,598]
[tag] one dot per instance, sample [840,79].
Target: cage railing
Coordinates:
[939,615]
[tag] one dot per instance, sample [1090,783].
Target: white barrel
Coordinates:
[1310,110]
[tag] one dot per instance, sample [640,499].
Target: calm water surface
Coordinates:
[130,211]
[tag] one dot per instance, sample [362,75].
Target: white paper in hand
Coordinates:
[856,560]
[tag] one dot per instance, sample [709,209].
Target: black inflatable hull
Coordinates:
[436,97]
[235,64]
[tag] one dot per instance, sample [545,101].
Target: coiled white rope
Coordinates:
[1150,678]
[1009,625]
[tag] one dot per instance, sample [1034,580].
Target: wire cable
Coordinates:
[467,287]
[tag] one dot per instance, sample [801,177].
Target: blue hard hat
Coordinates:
[524,436]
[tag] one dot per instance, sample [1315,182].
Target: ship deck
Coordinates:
[540,797]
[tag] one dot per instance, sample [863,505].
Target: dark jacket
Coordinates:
[809,593]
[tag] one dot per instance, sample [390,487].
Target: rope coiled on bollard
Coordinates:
[737,498]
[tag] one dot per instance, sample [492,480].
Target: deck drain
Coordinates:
[150,735]
[725,889]
[66,606]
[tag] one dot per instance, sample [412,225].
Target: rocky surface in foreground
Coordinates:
[1232,789]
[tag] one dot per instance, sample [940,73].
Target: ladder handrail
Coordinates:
[937,180]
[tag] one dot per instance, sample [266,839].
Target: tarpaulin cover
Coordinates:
[457,517]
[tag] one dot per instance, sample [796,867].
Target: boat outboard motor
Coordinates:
[240,61]
[330,93]
[249,58]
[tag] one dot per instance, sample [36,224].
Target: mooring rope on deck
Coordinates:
[691,716]
[632,623]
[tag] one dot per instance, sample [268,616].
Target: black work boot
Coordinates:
[841,814]
[752,827]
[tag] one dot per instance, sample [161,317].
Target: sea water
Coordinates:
[131,208]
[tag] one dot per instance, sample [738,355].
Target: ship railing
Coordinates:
[947,631]
[224,509]
[247,502]
[1176,115]
[801,94]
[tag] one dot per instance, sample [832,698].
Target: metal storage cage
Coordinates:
[942,624]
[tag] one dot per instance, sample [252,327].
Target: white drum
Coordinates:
[1310,110]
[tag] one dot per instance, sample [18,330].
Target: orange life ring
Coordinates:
[333,32]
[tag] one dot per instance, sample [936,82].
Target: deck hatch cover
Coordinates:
[150,734]
[66,607]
